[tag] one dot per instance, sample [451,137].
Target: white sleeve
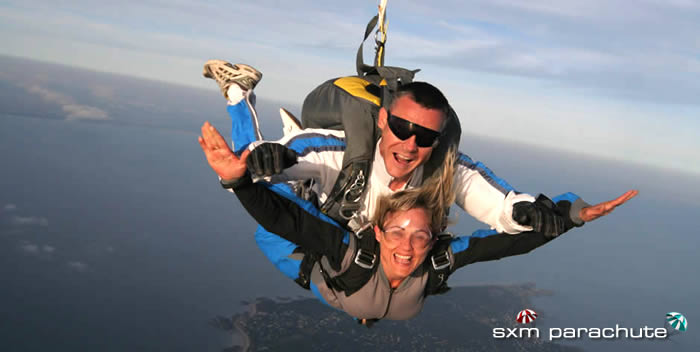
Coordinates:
[486,197]
[320,156]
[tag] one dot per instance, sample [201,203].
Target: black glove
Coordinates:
[541,215]
[270,159]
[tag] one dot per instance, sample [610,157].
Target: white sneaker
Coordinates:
[225,74]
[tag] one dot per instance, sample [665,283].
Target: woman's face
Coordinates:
[404,241]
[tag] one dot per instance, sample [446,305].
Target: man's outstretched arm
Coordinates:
[486,245]
[491,199]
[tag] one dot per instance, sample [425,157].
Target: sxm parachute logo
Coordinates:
[525,316]
[674,323]
[677,321]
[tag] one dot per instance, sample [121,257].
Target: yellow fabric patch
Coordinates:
[356,87]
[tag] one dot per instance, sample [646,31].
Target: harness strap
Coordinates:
[307,264]
[362,267]
[439,266]
[343,201]
[363,69]
[344,198]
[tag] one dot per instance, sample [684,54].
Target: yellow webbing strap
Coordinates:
[356,87]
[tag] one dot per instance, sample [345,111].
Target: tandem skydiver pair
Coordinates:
[381,258]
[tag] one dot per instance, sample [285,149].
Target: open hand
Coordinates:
[220,156]
[595,211]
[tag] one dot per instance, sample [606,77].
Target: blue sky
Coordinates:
[619,79]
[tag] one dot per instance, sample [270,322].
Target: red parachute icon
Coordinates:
[525,316]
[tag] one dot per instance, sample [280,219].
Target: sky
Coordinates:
[612,78]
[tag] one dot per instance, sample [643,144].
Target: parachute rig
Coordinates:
[352,104]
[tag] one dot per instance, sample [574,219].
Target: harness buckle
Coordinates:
[445,235]
[359,224]
[366,260]
[350,202]
[348,210]
[354,192]
[441,261]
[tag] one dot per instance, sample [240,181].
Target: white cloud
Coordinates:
[84,112]
[39,251]
[633,53]
[610,48]
[72,110]
[540,38]
[30,220]
[10,207]
[50,95]
[570,9]
[29,248]
[78,266]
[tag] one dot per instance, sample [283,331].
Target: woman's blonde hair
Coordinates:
[435,196]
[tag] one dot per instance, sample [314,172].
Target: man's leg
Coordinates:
[277,249]
[285,255]
[245,130]
[280,252]
[244,120]
[237,82]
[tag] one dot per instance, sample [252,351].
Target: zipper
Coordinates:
[388,304]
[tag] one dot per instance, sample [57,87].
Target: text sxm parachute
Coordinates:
[352,104]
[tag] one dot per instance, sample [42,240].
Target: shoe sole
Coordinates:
[244,75]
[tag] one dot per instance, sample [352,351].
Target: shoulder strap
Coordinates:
[439,265]
[363,69]
[361,269]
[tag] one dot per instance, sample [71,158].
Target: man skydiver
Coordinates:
[409,130]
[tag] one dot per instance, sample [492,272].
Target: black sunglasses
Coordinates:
[403,129]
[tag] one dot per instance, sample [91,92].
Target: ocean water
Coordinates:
[119,238]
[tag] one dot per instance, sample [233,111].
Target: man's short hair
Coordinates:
[426,95]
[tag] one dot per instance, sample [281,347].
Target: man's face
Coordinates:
[404,242]
[401,157]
